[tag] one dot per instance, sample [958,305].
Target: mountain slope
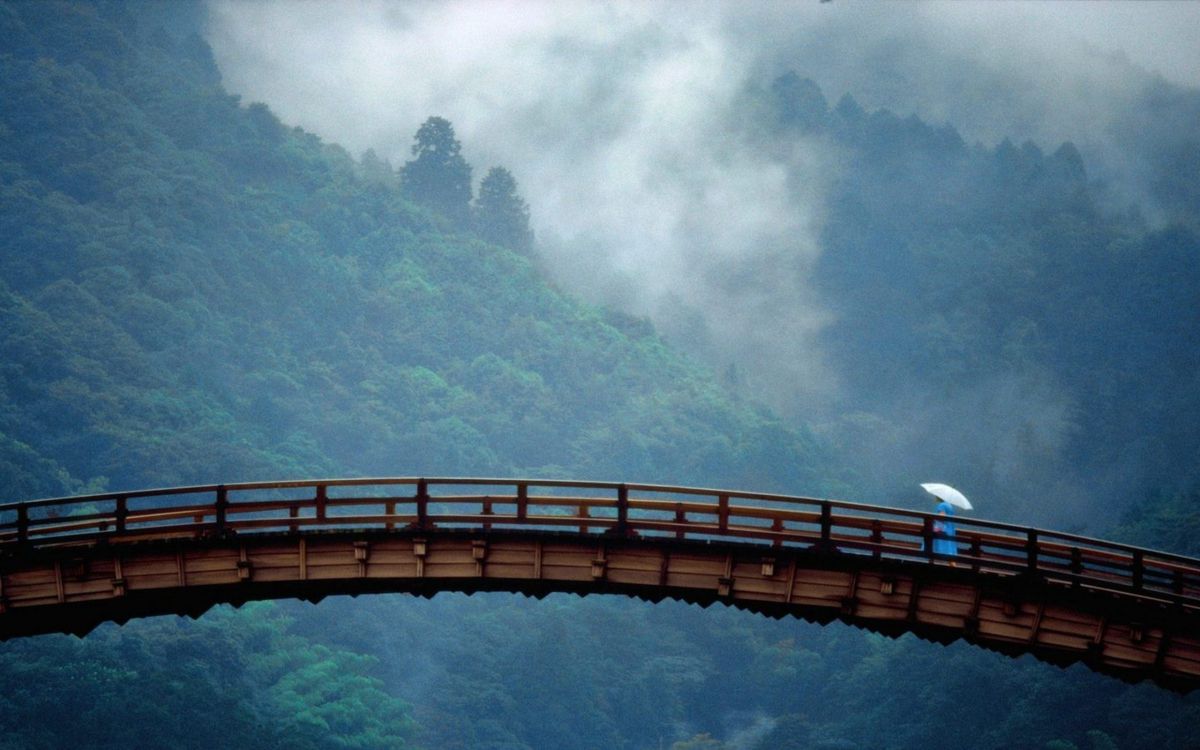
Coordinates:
[193,292]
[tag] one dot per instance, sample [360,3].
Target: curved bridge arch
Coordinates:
[68,564]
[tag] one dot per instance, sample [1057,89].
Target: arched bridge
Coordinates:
[68,564]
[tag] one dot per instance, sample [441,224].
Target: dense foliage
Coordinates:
[439,176]
[191,291]
[501,214]
[995,319]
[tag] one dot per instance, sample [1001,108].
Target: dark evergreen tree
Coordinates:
[439,177]
[376,171]
[501,215]
[799,102]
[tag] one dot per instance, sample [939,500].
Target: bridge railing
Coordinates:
[771,521]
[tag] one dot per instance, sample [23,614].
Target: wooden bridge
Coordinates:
[68,564]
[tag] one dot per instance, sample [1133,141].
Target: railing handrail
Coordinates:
[577,483]
[1021,547]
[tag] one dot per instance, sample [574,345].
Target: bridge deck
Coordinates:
[67,564]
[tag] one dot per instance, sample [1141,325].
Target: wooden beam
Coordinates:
[600,563]
[725,582]
[243,564]
[118,579]
[1037,621]
[420,547]
[362,553]
[1096,646]
[1161,654]
[913,599]
[850,601]
[479,550]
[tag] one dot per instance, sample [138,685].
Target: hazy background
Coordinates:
[623,124]
[193,292]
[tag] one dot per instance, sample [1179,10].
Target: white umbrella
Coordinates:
[947,493]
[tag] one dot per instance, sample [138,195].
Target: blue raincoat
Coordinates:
[943,531]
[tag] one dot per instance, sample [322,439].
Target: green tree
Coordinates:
[501,215]
[439,177]
[376,171]
[799,102]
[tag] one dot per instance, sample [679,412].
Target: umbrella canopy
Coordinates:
[947,493]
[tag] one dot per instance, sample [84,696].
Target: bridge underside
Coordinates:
[72,590]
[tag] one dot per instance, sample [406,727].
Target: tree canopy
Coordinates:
[501,215]
[439,177]
[193,291]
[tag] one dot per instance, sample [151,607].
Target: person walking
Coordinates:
[944,529]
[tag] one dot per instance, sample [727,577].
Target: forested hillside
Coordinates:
[995,318]
[193,291]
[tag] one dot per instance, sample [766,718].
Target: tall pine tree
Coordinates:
[439,177]
[501,215]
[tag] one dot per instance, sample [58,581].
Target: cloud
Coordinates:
[624,125]
[1042,71]
[619,121]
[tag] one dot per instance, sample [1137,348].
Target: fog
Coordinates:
[616,121]
[622,123]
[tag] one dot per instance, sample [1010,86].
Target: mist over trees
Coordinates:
[993,319]
[439,177]
[501,214]
[192,290]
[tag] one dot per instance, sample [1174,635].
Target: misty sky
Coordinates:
[617,120]
[621,124]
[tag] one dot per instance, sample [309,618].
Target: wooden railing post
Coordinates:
[1139,569]
[22,523]
[1031,551]
[622,511]
[322,497]
[122,512]
[422,499]
[723,513]
[222,507]
[826,526]
[927,535]
[522,501]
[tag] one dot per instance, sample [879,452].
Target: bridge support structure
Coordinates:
[75,588]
